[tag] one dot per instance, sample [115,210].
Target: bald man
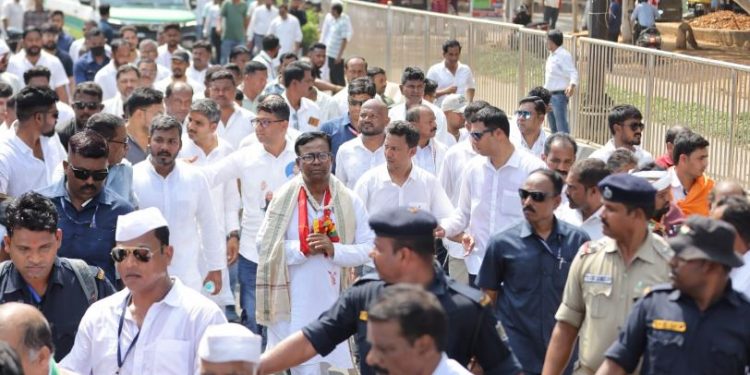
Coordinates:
[357,156]
[178,97]
[724,189]
[24,328]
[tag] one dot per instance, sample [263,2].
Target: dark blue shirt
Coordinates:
[675,337]
[63,303]
[66,61]
[529,274]
[88,235]
[341,130]
[471,327]
[64,41]
[107,30]
[614,17]
[86,67]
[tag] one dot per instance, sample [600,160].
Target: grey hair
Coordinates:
[208,108]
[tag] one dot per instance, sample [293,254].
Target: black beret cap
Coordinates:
[403,221]
[626,188]
[704,238]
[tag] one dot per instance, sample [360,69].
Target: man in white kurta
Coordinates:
[181,192]
[286,27]
[202,144]
[314,278]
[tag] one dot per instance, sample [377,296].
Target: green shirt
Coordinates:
[234,20]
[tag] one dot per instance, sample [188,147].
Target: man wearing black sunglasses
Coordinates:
[87,101]
[488,202]
[156,322]
[88,211]
[526,266]
[627,127]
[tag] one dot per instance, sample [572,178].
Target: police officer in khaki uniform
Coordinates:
[608,275]
[697,325]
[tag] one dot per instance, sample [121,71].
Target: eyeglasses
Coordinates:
[356,103]
[124,143]
[141,253]
[637,126]
[321,156]
[478,135]
[84,174]
[263,122]
[523,114]
[536,196]
[87,105]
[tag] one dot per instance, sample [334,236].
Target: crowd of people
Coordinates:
[289,211]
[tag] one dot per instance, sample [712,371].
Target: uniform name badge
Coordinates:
[669,325]
[597,279]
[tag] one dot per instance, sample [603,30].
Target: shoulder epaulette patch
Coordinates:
[100,274]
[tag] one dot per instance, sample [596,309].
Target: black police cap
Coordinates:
[626,188]
[403,221]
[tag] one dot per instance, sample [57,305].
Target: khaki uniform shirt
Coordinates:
[601,290]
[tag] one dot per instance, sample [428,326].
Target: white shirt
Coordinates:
[560,70]
[238,126]
[184,198]
[449,140]
[13,80]
[420,190]
[165,57]
[21,171]
[398,112]
[287,30]
[306,118]
[741,276]
[449,366]
[644,157]
[266,60]
[337,32]
[65,113]
[430,158]
[678,191]
[113,106]
[19,64]
[592,226]
[463,79]
[13,12]
[260,174]
[198,76]
[261,19]
[211,17]
[167,342]
[489,202]
[106,78]
[454,165]
[328,21]
[537,149]
[354,159]
[314,281]
[329,109]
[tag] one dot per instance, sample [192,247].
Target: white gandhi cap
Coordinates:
[229,342]
[139,222]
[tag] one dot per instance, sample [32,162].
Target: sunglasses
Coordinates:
[84,174]
[523,114]
[87,105]
[321,156]
[637,126]
[263,122]
[536,196]
[478,135]
[141,253]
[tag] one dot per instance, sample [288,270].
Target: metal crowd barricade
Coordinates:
[709,96]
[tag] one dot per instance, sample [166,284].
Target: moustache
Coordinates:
[163,153]
[379,370]
[88,188]
[605,223]
[529,209]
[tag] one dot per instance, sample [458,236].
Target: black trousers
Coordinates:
[336,72]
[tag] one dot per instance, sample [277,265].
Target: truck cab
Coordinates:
[148,16]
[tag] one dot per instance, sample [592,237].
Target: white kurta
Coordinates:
[184,198]
[226,202]
[430,158]
[168,339]
[237,127]
[315,280]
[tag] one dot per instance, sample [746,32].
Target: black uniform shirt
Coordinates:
[471,327]
[675,337]
[63,304]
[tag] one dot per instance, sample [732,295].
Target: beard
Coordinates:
[659,213]
[33,51]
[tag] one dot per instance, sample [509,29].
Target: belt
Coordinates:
[558,92]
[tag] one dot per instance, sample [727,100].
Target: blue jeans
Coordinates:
[226,49]
[558,118]
[247,271]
